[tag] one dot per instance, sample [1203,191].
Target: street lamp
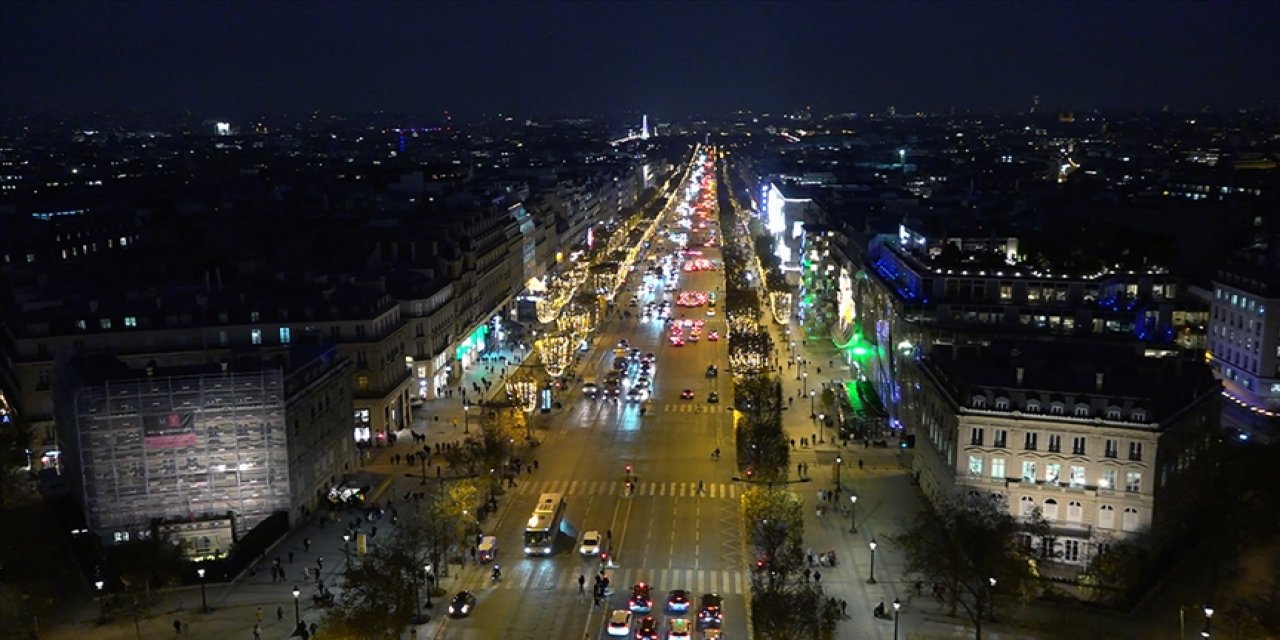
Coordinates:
[839,461]
[872,545]
[431,580]
[991,595]
[813,394]
[805,376]
[1208,614]
[897,605]
[346,537]
[853,514]
[297,607]
[102,603]
[204,601]
[466,417]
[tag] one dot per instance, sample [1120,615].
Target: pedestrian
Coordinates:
[313,628]
[700,486]
[817,576]
[177,626]
[306,544]
[844,607]
[793,443]
[807,574]
[279,614]
[800,469]
[535,465]
[319,563]
[919,587]
[259,614]
[473,553]
[859,465]
[814,438]
[257,632]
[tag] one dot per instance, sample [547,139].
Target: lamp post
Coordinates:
[991,596]
[897,606]
[431,580]
[297,607]
[839,461]
[813,411]
[805,376]
[853,514]
[204,601]
[1208,615]
[466,417]
[346,537]
[102,603]
[872,545]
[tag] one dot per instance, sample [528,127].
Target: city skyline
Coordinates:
[239,59]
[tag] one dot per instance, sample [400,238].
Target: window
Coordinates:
[1133,481]
[976,435]
[1033,406]
[975,466]
[1029,472]
[1138,415]
[131,321]
[362,382]
[1077,475]
[1082,411]
[1130,520]
[1071,551]
[1113,413]
[1108,479]
[1056,408]
[1055,443]
[253,316]
[1001,438]
[1002,404]
[1052,472]
[1077,445]
[1027,506]
[978,402]
[1050,510]
[997,469]
[104,323]
[285,335]
[222,338]
[1075,511]
[1112,449]
[1029,441]
[255,336]
[1106,517]
[1135,450]
[80,324]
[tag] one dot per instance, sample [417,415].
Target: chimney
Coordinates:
[1019,371]
[1097,381]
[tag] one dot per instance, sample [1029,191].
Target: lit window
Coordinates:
[285,335]
[997,469]
[1133,481]
[130,321]
[1029,472]
[255,336]
[104,323]
[975,466]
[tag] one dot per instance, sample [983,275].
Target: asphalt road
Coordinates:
[665,533]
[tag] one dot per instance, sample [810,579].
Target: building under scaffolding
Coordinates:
[201,452]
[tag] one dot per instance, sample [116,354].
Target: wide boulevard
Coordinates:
[664,531]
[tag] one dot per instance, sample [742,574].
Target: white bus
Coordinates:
[544,525]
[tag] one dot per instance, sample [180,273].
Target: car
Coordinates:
[678,601]
[679,629]
[710,610]
[677,341]
[619,623]
[693,336]
[713,336]
[640,601]
[712,371]
[590,544]
[590,389]
[635,395]
[642,383]
[687,394]
[462,604]
[650,357]
[711,312]
[713,398]
[647,629]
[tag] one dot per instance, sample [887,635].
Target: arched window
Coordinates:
[1075,511]
[1138,415]
[1002,404]
[1028,506]
[1113,413]
[1082,411]
[1130,520]
[1033,406]
[1106,517]
[1050,509]
[1057,408]
[978,402]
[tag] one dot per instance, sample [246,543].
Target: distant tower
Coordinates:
[644,127]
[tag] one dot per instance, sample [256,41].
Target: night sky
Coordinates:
[668,59]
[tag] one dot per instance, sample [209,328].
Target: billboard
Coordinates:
[168,430]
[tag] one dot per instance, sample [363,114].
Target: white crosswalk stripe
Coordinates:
[716,490]
[695,581]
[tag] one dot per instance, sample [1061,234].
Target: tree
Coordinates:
[964,546]
[381,590]
[797,610]
[1116,575]
[142,565]
[775,519]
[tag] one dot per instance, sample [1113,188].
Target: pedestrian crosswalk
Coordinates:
[689,407]
[526,576]
[619,488]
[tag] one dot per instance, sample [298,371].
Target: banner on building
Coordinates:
[168,430]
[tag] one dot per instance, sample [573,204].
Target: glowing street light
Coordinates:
[872,545]
[204,601]
[853,514]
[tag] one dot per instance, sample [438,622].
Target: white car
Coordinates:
[590,544]
[619,623]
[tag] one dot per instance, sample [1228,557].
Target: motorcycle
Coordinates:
[496,575]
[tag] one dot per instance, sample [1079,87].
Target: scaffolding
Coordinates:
[191,447]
